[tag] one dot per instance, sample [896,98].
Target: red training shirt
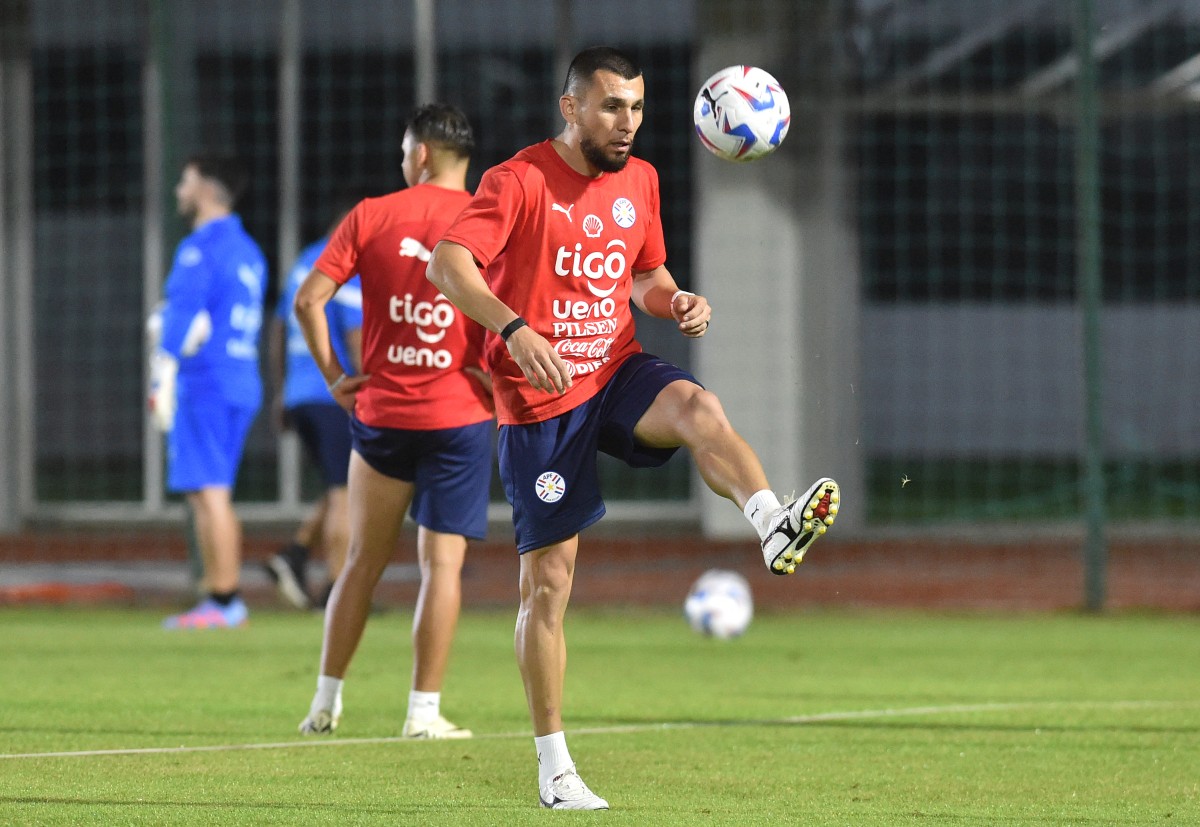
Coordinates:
[560,249]
[415,342]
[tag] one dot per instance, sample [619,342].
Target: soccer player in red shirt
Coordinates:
[569,231]
[421,419]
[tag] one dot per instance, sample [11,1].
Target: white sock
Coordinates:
[424,706]
[759,510]
[553,757]
[328,691]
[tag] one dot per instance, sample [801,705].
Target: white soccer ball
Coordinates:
[719,604]
[741,114]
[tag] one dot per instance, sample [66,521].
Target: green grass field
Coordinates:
[812,718]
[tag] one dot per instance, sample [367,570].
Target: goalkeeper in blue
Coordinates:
[205,384]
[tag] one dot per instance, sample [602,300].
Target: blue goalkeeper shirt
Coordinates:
[218,268]
[304,384]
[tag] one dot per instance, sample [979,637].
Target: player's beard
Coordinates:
[593,153]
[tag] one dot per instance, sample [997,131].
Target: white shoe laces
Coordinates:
[569,785]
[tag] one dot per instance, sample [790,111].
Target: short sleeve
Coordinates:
[339,259]
[654,250]
[486,223]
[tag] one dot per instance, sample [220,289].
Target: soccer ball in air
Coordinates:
[719,604]
[741,114]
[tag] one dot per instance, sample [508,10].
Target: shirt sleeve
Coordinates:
[186,294]
[339,259]
[486,223]
[654,250]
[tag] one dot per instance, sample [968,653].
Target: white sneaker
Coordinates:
[798,525]
[436,729]
[322,721]
[568,792]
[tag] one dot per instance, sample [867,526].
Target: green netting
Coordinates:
[958,134]
[219,71]
[964,140]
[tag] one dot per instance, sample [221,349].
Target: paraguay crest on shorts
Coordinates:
[550,487]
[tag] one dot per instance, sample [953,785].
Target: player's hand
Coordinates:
[541,364]
[345,390]
[161,399]
[692,313]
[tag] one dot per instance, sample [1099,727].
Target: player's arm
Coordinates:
[353,340]
[656,294]
[309,305]
[452,269]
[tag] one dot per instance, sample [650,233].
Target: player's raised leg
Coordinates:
[686,414]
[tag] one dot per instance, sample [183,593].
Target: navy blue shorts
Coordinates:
[325,431]
[205,447]
[549,468]
[450,468]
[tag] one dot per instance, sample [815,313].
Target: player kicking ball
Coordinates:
[569,232]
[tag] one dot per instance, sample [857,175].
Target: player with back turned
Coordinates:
[569,233]
[421,424]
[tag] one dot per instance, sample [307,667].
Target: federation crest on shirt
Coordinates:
[550,487]
[623,213]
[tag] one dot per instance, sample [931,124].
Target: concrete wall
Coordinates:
[774,255]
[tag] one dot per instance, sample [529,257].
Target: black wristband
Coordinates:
[512,327]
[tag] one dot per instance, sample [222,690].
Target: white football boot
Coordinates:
[567,791]
[436,729]
[797,526]
[322,721]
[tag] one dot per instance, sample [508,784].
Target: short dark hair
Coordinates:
[225,169]
[442,125]
[594,59]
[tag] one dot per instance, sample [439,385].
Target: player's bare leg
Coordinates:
[377,505]
[308,534]
[685,414]
[435,621]
[335,534]
[219,536]
[546,578]
[219,533]
[547,575]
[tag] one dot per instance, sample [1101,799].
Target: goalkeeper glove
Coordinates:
[163,369]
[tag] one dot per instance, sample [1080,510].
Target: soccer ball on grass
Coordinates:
[719,604]
[741,114]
